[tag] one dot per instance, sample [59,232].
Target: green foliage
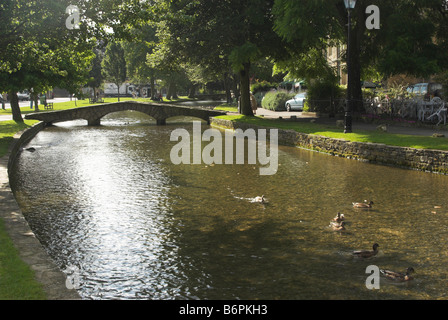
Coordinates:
[114,64]
[309,65]
[262,86]
[243,54]
[227,36]
[275,100]
[321,93]
[406,39]
[368,93]
[412,38]
[443,79]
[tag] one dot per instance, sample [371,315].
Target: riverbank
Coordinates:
[416,152]
[26,270]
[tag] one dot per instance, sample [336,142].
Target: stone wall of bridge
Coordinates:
[93,114]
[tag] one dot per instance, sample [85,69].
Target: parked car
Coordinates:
[296,103]
[427,91]
[23,96]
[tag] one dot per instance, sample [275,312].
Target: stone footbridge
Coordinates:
[93,114]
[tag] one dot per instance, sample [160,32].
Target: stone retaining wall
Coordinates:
[418,159]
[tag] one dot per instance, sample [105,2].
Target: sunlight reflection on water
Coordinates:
[109,201]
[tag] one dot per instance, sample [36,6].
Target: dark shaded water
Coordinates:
[108,203]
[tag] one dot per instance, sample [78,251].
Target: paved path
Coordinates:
[5,117]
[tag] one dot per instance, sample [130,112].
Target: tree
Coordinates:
[114,65]
[416,43]
[38,51]
[136,53]
[221,34]
[96,74]
[404,43]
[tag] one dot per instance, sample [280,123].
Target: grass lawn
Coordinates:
[7,131]
[226,107]
[17,280]
[332,131]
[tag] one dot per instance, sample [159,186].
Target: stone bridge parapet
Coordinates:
[93,114]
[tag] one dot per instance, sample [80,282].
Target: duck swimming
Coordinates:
[338,226]
[259,199]
[339,218]
[398,276]
[367,253]
[364,204]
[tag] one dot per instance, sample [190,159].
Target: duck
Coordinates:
[364,204]
[338,226]
[259,199]
[339,218]
[367,253]
[398,276]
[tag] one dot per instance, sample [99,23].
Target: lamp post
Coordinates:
[349,5]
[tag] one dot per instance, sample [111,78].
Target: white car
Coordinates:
[296,103]
[23,96]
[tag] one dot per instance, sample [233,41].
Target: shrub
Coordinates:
[443,79]
[275,100]
[321,93]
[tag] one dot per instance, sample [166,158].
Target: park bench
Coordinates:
[96,100]
[48,105]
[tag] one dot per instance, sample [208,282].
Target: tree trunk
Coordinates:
[153,87]
[227,88]
[235,88]
[16,113]
[36,102]
[192,91]
[35,98]
[118,86]
[171,94]
[245,105]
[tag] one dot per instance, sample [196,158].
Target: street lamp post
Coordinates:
[349,5]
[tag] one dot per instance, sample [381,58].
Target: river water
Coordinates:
[125,223]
